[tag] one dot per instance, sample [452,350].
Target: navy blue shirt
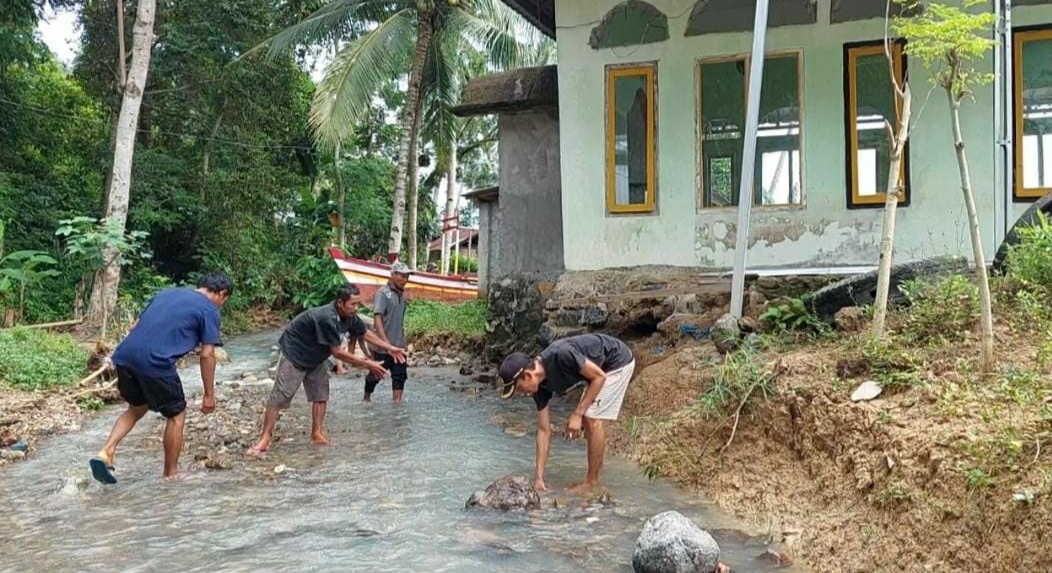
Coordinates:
[173,323]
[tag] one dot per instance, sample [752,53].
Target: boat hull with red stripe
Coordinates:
[369,277]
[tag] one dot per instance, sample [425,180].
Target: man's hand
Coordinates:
[398,354]
[574,425]
[208,403]
[376,369]
[539,485]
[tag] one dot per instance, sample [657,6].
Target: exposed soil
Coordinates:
[920,479]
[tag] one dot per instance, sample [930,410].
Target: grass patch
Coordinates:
[32,359]
[428,318]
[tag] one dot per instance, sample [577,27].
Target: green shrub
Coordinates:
[944,309]
[793,315]
[32,359]
[467,319]
[1029,262]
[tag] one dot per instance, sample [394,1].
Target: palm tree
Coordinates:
[403,34]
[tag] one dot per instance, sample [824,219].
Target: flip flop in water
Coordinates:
[102,471]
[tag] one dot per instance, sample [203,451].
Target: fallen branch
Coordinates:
[92,376]
[738,413]
[55,324]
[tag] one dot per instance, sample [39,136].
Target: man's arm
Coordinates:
[372,338]
[208,377]
[596,378]
[544,441]
[378,324]
[375,367]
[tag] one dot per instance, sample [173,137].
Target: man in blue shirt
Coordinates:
[174,322]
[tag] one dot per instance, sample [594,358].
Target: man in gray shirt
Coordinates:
[389,323]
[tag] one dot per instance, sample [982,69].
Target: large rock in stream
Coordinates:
[671,543]
[509,493]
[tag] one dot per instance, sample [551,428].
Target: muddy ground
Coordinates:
[941,474]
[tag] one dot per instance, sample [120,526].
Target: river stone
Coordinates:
[866,391]
[12,455]
[511,492]
[726,334]
[671,543]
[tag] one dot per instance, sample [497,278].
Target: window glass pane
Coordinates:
[875,105]
[722,130]
[777,177]
[1037,113]
[630,139]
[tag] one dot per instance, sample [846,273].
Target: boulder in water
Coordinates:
[671,543]
[511,492]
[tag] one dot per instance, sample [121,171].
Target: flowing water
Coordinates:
[387,496]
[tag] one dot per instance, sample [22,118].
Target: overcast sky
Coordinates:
[60,32]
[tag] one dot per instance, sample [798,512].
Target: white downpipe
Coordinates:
[745,191]
[1008,47]
[1000,131]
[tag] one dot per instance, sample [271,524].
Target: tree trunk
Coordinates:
[341,193]
[986,310]
[414,184]
[451,193]
[104,291]
[122,74]
[407,151]
[891,203]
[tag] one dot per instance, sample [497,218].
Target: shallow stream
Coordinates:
[387,496]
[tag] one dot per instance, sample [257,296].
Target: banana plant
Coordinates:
[19,270]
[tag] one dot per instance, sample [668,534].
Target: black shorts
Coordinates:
[163,395]
[399,373]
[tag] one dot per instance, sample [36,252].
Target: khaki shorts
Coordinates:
[607,405]
[289,378]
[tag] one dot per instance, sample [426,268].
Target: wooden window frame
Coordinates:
[852,52]
[699,128]
[1020,36]
[649,71]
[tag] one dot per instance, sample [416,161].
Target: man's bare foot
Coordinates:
[106,457]
[259,450]
[722,568]
[320,440]
[580,489]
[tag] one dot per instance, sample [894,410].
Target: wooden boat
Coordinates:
[369,277]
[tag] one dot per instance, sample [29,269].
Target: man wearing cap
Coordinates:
[389,324]
[604,363]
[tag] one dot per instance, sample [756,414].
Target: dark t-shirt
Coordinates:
[564,359]
[173,323]
[308,339]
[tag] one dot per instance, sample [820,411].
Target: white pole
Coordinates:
[1009,119]
[1000,134]
[456,261]
[745,191]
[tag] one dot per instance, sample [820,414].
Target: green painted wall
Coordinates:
[822,232]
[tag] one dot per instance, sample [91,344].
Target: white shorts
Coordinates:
[607,406]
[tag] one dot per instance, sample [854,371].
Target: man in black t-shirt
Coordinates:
[305,347]
[604,363]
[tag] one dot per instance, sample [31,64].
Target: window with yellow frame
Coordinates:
[631,142]
[870,105]
[1032,88]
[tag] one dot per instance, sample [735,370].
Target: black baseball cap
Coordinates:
[510,370]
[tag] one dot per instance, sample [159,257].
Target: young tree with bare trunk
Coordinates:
[898,135]
[950,41]
[107,280]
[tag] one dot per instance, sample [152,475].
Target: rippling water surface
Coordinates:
[388,496]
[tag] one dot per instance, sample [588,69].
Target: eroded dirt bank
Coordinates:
[937,474]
